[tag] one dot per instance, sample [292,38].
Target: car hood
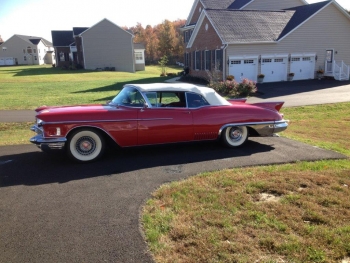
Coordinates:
[81,112]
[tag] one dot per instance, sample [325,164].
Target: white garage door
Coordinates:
[303,66]
[274,68]
[9,61]
[2,61]
[244,68]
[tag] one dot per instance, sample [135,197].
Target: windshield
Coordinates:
[129,96]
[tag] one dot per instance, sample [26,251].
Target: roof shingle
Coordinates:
[247,26]
[62,38]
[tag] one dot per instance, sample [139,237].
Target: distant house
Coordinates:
[102,46]
[245,38]
[26,50]
[1,41]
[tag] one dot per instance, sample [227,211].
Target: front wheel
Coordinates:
[85,145]
[234,136]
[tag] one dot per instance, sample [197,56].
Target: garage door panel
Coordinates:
[274,69]
[243,69]
[302,67]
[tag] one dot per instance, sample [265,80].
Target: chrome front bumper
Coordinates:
[48,143]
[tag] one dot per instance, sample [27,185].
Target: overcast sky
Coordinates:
[39,17]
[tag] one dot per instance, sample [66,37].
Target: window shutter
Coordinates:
[209,59]
[203,60]
[194,60]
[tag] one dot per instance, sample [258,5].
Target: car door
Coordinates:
[166,120]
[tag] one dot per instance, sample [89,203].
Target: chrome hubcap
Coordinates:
[235,134]
[85,145]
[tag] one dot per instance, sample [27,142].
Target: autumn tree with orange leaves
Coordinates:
[164,39]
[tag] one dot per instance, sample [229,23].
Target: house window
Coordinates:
[29,50]
[64,56]
[295,59]
[307,59]
[34,50]
[278,59]
[35,58]
[25,58]
[198,60]
[207,60]
[138,56]
[267,60]
[248,61]
[218,59]
[4,49]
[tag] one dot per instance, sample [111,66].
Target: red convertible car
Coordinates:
[147,114]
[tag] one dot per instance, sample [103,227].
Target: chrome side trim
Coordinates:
[94,121]
[262,128]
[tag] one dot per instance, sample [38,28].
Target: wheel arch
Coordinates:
[251,131]
[103,132]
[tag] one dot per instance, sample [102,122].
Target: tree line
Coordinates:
[164,39]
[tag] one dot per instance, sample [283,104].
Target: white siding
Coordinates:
[329,29]
[273,4]
[107,45]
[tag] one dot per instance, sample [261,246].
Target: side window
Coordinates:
[195,100]
[173,99]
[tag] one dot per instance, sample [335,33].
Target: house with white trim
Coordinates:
[26,50]
[104,46]
[245,38]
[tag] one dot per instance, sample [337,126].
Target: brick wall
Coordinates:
[206,40]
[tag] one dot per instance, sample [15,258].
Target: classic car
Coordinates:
[148,114]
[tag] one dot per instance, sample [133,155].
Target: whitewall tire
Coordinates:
[85,145]
[234,136]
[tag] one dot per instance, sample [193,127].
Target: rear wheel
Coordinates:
[234,136]
[85,145]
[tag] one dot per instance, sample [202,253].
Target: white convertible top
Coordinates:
[208,93]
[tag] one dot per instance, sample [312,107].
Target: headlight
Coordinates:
[39,122]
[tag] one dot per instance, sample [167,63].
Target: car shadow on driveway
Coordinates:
[37,168]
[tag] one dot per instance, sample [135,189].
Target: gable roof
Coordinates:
[62,38]
[239,4]
[105,20]
[215,4]
[34,40]
[79,30]
[247,26]
[301,15]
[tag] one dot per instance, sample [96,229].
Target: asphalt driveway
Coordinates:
[53,210]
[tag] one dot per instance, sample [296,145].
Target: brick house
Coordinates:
[245,38]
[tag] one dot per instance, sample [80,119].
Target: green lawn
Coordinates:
[281,213]
[27,87]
